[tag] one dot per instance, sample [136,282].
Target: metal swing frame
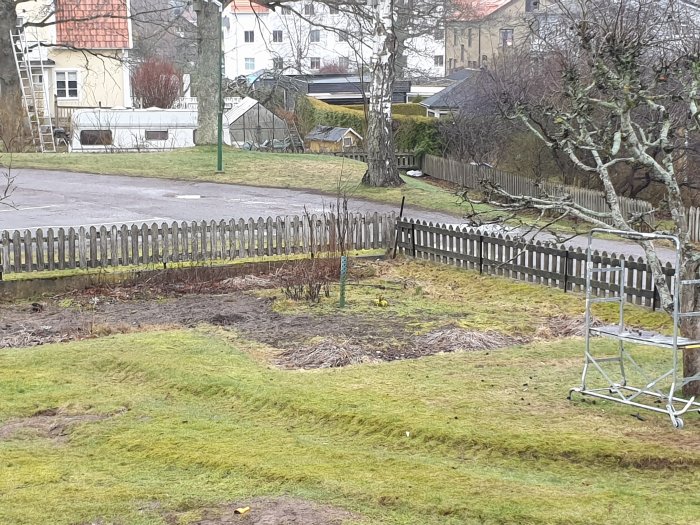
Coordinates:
[651,392]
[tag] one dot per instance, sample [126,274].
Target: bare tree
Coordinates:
[615,82]
[381,16]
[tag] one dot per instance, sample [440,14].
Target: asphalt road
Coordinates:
[53,199]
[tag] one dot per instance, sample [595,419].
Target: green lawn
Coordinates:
[320,173]
[202,417]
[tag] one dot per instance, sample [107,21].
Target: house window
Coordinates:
[278,63]
[439,34]
[286,11]
[277,35]
[469,37]
[156,134]
[347,141]
[472,64]
[315,62]
[532,5]
[506,37]
[461,53]
[315,35]
[454,36]
[439,60]
[67,84]
[333,10]
[344,63]
[309,9]
[249,64]
[342,36]
[249,36]
[449,64]
[96,137]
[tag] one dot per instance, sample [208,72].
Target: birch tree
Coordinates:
[615,82]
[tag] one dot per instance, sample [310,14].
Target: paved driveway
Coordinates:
[55,199]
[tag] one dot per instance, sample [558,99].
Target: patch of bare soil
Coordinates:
[51,423]
[304,341]
[273,511]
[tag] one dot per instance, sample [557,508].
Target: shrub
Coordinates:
[156,83]
[412,133]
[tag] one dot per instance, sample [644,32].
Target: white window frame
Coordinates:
[66,72]
[278,63]
[277,33]
[311,63]
[249,36]
[439,60]
[309,9]
[246,62]
[315,36]
[347,141]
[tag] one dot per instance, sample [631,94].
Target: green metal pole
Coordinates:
[343,279]
[220,115]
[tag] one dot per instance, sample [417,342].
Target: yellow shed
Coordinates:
[329,139]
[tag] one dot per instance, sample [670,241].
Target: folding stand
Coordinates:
[653,394]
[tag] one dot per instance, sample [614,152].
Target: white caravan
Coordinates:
[135,129]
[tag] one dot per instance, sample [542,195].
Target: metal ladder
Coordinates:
[33,93]
[295,136]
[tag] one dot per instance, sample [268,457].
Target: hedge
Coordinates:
[415,110]
[411,133]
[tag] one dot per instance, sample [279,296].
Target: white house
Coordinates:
[256,38]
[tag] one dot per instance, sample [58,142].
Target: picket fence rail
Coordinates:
[540,263]
[694,224]
[471,175]
[161,244]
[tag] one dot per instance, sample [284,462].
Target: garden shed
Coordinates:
[329,139]
[253,126]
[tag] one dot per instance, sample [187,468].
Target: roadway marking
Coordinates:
[118,225]
[31,208]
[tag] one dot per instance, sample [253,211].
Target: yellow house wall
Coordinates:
[103,76]
[485,36]
[101,79]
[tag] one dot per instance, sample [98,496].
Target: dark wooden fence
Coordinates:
[405,161]
[539,263]
[157,244]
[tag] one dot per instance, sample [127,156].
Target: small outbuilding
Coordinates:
[329,139]
[253,126]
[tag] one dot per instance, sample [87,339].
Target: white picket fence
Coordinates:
[161,244]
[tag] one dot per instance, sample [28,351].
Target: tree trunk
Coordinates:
[9,83]
[690,326]
[206,81]
[381,156]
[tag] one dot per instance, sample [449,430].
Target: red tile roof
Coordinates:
[477,9]
[92,24]
[246,6]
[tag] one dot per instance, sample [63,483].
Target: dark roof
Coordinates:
[328,133]
[461,74]
[450,97]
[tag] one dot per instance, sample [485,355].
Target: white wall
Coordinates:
[331,49]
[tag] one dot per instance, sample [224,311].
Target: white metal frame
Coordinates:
[618,390]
